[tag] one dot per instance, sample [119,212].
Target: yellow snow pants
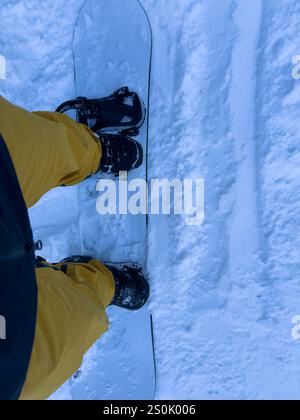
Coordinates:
[49,150]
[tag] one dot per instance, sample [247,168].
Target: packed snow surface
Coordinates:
[224,107]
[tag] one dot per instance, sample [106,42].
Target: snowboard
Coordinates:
[112,48]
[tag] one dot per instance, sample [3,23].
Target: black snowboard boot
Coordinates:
[119,153]
[132,289]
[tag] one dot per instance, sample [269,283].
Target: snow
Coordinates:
[224,107]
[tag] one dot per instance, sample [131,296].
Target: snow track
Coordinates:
[226,108]
[227,325]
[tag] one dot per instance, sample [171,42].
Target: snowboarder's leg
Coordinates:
[71,317]
[73,298]
[48,149]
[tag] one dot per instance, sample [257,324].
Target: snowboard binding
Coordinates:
[123,112]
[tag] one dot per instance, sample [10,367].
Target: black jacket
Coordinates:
[18,289]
